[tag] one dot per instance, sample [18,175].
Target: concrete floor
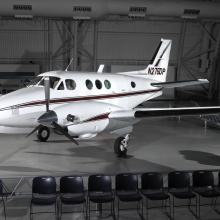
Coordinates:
[159,144]
[163,145]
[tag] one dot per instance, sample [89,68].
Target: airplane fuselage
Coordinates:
[89,97]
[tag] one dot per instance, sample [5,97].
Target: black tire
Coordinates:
[117,149]
[43,134]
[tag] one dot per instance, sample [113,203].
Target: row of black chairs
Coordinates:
[100,191]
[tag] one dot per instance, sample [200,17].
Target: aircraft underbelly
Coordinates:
[93,127]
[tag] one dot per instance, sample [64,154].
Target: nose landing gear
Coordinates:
[120,146]
[43,133]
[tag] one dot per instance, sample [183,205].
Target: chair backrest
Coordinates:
[203,178]
[219,178]
[152,180]
[71,184]
[102,183]
[178,179]
[126,181]
[44,185]
[1,187]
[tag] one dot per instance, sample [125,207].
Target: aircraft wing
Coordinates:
[180,83]
[164,112]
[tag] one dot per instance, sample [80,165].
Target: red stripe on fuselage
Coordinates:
[76,99]
[98,117]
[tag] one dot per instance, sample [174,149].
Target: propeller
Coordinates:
[35,129]
[49,118]
[64,132]
[47,92]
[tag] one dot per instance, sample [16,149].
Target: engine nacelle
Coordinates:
[84,117]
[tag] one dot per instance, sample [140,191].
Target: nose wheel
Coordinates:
[43,133]
[120,146]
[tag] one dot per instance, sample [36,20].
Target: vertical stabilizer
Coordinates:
[157,69]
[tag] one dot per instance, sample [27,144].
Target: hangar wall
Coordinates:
[51,43]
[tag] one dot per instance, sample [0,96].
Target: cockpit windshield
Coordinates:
[35,81]
[39,81]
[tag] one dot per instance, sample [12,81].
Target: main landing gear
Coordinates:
[43,133]
[120,146]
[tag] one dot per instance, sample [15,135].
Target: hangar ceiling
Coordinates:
[106,8]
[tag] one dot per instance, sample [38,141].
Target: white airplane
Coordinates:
[83,105]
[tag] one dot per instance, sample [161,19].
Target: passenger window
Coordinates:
[107,84]
[70,84]
[98,84]
[133,84]
[89,84]
[61,86]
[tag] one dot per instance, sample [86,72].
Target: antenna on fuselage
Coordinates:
[69,64]
[101,68]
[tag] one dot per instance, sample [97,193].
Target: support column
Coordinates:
[180,52]
[181,47]
[49,44]
[72,28]
[75,52]
[95,45]
[214,92]
[65,48]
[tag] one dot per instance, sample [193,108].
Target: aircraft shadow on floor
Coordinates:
[101,159]
[201,157]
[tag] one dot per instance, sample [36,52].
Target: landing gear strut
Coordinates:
[43,133]
[120,146]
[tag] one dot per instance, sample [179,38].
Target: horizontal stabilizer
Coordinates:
[180,83]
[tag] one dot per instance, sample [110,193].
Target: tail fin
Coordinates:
[157,69]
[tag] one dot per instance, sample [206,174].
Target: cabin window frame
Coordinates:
[98,84]
[87,83]
[133,84]
[107,84]
[74,84]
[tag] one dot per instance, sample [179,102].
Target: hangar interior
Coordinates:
[40,36]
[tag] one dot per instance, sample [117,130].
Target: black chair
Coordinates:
[179,187]
[72,192]
[2,197]
[100,191]
[203,185]
[153,189]
[43,193]
[127,191]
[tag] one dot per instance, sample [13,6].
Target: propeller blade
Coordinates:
[59,128]
[35,129]
[47,92]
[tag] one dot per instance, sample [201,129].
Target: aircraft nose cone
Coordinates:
[48,118]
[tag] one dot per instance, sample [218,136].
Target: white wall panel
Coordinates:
[27,44]
[18,24]
[132,46]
